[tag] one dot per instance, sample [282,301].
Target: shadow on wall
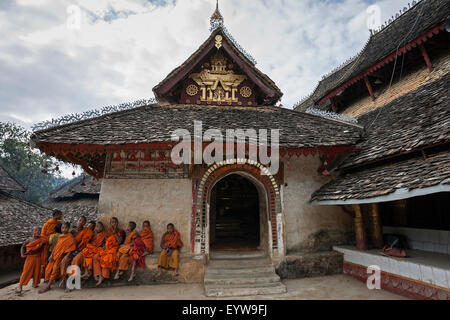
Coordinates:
[324,240]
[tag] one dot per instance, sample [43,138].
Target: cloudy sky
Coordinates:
[64,56]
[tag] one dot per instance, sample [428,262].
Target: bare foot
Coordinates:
[61,283]
[118,274]
[131,277]
[19,290]
[43,290]
[99,282]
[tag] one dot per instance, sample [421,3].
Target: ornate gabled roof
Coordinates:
[266,85]
[406,27]
[418,119]
[8,183]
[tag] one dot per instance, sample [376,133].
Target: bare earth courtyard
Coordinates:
[337,287]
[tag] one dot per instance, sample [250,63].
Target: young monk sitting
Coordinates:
[105,261]
[147,236]
[47,230]
[31,251]
[82,239]
[91,250]
[137,257]
[170,244]
[66,244]
[82,236]
[123,256]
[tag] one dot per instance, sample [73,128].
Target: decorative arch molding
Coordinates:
[215,173]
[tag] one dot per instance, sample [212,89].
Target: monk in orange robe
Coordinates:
[105,261]
[47,230]
[82,239]
[137,257]
[170,244]
[123,256]
[147,236]
[93,248]
[31,251]
[55,269]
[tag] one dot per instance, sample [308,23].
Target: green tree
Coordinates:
[37,172]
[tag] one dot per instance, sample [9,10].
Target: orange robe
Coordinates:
[105,261]
[84,237]
[86,256]
[172,241]
[147,238]
[32,266]
[55,269]
[123,256]
[47,230]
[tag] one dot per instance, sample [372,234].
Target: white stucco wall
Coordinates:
[161,201]
[303,220]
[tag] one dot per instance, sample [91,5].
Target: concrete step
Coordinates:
[241,279]
[226,255]
[244,290]
[248,270]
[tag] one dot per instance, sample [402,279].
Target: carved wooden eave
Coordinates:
[271,92]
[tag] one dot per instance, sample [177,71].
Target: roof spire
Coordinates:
[216,18]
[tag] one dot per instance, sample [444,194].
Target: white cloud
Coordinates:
[124,48]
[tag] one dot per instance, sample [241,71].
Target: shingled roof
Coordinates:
[261,79]
[18,217]
[393,181]
[8,183]
[419,19]
[156,123]
[416,120]
[82,185]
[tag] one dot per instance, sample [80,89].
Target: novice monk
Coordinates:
[123,256]
[105,261]
[171,244]
[47,230]
[31,251]
[82,239]
[137,256]
[115,230]
[66,244]
[147,236]
[85,258]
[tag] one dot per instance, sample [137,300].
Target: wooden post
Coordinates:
[376,227]
[360,232]
[426,57]
[369,87]
[333,106]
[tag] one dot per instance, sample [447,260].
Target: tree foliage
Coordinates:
[37,172]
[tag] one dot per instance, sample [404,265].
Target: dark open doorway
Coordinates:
[235,214]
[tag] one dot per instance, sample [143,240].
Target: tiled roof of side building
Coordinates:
[416,120]
[156,123]
[7,182]
[396,179]
[83,185]
[18,217]
[419,19]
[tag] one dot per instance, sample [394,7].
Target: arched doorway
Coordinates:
[235,221]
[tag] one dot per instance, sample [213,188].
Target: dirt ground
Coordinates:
[339,287]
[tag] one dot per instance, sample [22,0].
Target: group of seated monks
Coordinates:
[94,249]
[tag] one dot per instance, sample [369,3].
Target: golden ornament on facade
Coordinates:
[218,83]
[219,41]
[246,92]
[192,90]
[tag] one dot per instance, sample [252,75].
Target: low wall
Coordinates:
[309,265]
[10,259]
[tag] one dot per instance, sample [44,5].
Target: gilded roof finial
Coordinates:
[216,18]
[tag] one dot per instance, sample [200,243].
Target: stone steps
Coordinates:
[232,274]
[245,290]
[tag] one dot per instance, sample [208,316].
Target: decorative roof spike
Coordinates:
[216,18]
